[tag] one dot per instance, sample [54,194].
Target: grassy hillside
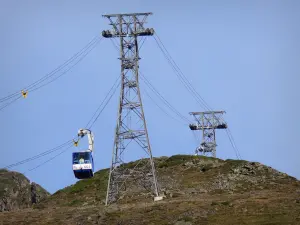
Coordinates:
[197,190]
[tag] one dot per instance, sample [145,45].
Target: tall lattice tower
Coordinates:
[131,123]
[208,122]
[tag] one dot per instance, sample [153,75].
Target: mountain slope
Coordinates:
[198,190]
[16,191]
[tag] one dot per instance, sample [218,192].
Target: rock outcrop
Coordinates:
[16,191]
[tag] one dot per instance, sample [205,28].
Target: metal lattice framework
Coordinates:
[131,123]
[208,122]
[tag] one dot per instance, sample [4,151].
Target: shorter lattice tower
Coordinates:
[208,122]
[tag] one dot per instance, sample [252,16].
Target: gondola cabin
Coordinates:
[83,164]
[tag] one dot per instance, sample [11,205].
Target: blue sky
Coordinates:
[241,56]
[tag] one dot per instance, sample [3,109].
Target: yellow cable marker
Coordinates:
[76,143]
[24,94]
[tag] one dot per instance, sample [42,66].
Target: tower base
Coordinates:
[158,198]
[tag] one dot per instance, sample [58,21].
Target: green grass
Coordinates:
[99,180]
[187,219]
[236,161]
[74,202]
[91,191]
[226,203]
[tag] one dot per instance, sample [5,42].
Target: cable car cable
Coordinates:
[95,40]
[164,111]
[231,139]
[113,87]
[38,156]
[55,78]
[87,48]
[147,82]
[105,105]
[43,163]
[64,71]
[9,103]
[180,74]
[49,74]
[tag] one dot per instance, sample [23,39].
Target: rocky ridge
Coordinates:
[17,192]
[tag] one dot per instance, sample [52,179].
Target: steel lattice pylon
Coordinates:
[131,123]
[208,122]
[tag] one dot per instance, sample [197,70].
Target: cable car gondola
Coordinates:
[83,161]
